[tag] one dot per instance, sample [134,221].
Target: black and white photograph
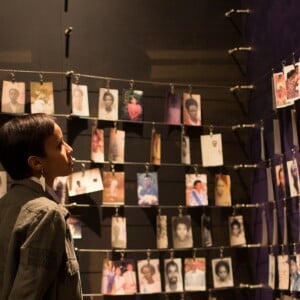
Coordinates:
[293,176]
[161,232]
[211,150]
[118,232]
[191,109]
[272,271]
[116,151]
[236,230]
[80,101]
[295,273]
[149,276]
[182,232]
[222,190]
[185,150]
[3,183]
[173,275]
[283,271]
[13,97]
[222,272]
[280,182]
[206,231]
[41,97]
[108,104]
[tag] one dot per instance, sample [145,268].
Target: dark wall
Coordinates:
[172,42]
[273,30]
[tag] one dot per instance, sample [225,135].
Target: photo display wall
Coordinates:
[150,186]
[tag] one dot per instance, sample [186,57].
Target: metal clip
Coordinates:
[41,78]
[171,251]
[83,169]
[122,253]
[112,167]
[180,211]
[196,169]
[221,252]
[77,78]
[172,89]
[13,77]
[107,84]
[211,128]
[117,211]
[131,83]
[148,255]
[190,90]
[147,169]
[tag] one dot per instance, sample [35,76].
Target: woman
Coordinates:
[119,283]
[37,254]
[222,272]
[222,190]
[134,109]
[148,284]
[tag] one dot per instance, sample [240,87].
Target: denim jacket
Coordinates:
[37,259]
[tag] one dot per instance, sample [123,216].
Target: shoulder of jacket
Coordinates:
[44,205]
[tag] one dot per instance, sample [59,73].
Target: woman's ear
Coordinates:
[35,163]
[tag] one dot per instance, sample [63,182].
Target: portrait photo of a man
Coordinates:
[13,97]
[173,275]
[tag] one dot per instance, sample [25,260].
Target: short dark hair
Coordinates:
[197,181]
[170,264]
[107,93]
[22,137]
[221,263]
[190,101]
[235,222]
[182,220]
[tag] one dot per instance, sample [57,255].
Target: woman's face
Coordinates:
[147,273]
[181,231]
[58,160]
[108,102]
[222,273]
[193,111]
[133,100]
[235,230]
